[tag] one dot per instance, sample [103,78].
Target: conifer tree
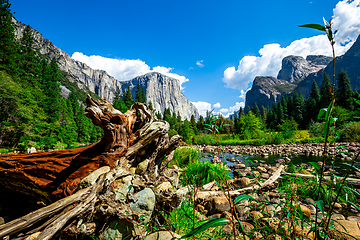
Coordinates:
[241,112]
[298,107]
[127,98]
[256,110]
[140,94]
[118,103]
[8,45]
[343,92]
[150,106]
[325,95]
[315,94]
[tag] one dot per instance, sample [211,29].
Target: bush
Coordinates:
[204,172]
[184,156]
[351,132]
[316,129]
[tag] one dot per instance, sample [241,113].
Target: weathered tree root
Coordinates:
[129,139]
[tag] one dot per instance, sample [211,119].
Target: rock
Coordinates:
[231,159]
[142,167]
[92,177]
[269,211]
[337,206]
[221,204]
[256,215]
[145,203]
[216,159]
[353,218]
[244,182]
[238,166]
[162,235]
[351,227]
[122,190]
[305,210]
[31,150]
[261,169]
[337,216]
[163,91]
[209,185]
[216,215]
[165,186]
[118,230]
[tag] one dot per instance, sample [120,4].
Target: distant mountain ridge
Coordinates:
[301,73]
[162,91]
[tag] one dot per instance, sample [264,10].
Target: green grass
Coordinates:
[203,172]
[184,156]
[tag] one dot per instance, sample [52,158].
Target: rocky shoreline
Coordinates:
[286,150]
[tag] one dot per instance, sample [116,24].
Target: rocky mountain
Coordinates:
[296,68]
[162,91]
[349,62]
[266,90]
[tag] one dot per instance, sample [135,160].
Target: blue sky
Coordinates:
[215,48]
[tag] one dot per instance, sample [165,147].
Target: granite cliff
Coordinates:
[294,69]
[162,91]
[349,62]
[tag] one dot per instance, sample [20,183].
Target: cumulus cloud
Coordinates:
[224,110]
[268,63]
[217,105]
[231,110]
[124,69]
[200,63]
[202,107]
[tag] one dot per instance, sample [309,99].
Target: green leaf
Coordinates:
[212,222]
[242,197]
[316,166]
[328,30]
[320,204]
[321,112]
[352,190]
[313,26]
[355,206]
[351,166]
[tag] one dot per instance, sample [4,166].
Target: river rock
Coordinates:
[221,204]
[351,227]
[354,218]
[162,235]
[142,167]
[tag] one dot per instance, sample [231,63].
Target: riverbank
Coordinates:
[342,150]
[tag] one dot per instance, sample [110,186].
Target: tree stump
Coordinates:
[129,139]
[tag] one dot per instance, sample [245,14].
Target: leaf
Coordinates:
[358,208]
[328,30]
[313,26]
[316,166]
[351,166]
[321,112]
[320,204]
[212,222]
[352,190]
[242,198]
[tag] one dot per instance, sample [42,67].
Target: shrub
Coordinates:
[351,132]
[203,172]
[184,156]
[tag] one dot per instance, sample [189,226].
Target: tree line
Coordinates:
[32,110]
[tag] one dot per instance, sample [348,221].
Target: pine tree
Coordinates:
[150,106]
[127,98]
[256,110]
[315,94]
[284,103]
[8,45]
[298,107]
[343,92]
[241,112]
[118,103]
[325,94]
[140,94]
[167,115]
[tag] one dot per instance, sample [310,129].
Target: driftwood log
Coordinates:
[129,139]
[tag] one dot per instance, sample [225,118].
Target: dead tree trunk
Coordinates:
[129,139]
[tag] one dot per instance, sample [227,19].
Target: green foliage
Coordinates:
[127,98]
[350,133]
[204,172]
[184,156]
[118,102]
[343,92]
[140,94]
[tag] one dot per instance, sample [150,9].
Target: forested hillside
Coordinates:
[32,110]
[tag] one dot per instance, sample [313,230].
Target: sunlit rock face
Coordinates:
[162,91]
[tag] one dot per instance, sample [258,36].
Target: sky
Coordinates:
[214,48]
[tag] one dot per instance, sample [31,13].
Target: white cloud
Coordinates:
[224,110]
[167,71]
[202,107]
[345,19]
[217,105]
[231,110]
[200,63]
[243,93]
[124,69]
